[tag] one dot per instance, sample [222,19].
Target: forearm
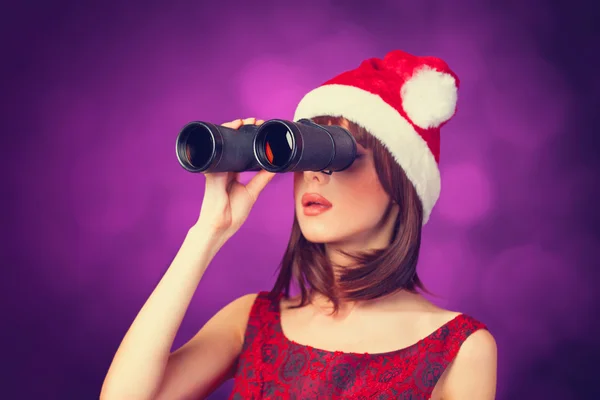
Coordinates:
[138,366]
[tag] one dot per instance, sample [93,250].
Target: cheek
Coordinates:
[364,193]
[298,178]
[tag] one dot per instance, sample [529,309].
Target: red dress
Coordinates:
[274,367]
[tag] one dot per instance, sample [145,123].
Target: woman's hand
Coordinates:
[227,202]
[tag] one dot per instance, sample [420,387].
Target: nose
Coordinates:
[318,177]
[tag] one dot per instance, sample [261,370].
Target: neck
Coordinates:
[341,262]
[399,300]
[335,251]
[325,306]
[378,238]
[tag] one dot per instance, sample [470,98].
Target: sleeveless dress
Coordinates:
[271,366]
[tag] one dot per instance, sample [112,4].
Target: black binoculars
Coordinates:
[276,146]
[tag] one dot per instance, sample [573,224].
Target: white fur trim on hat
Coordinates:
[384,122]
[429,97]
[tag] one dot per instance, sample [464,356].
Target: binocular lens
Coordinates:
[285,146]
[199,148]
[206,147]
[197,145]
[278,145]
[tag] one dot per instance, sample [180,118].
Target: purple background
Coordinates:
[95,205]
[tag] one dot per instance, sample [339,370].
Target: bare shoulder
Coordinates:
[230,319]
[478,349]
[472,374]
[244,302]
[480,345]
[239,309]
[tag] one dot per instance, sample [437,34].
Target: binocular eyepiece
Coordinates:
[276,146]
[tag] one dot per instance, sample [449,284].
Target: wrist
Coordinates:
[205,239]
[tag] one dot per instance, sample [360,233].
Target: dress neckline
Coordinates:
[436,333]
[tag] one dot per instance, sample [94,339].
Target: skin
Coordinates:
[355,222]
[145,368]
[358,203]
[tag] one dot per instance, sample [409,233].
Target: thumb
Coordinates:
[258,183]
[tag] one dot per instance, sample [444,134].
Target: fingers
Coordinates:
[216,181]
[232,178]
[224,178]
[258,183]
[237,123]
[224,181]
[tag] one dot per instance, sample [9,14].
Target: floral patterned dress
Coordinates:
[274,367]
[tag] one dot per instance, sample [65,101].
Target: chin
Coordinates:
[318,235]
[320,230]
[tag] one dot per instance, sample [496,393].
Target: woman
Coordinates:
[359,328]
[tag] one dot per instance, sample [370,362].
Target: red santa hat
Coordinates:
[402,100]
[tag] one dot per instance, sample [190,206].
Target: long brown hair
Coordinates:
[375,273]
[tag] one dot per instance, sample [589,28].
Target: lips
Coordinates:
[315,199]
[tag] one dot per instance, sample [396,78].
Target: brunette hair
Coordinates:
[374,273]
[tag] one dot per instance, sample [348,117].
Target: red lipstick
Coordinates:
[314,204]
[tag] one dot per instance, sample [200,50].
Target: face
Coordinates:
[357,201]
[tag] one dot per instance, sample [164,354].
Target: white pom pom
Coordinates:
[429,97]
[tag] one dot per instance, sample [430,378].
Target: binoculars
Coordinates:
[276,146]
